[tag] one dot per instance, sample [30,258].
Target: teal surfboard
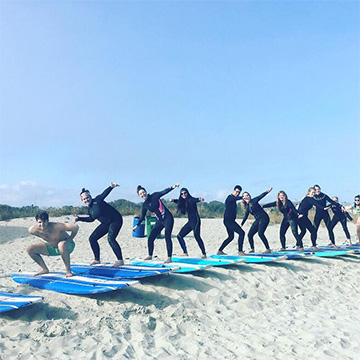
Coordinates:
[208,261]
[182,267]
[10,301]
[251,258]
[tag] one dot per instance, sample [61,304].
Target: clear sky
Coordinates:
[206,93]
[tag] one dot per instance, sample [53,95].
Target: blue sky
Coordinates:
[206,93]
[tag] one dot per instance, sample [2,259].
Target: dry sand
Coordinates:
[307,309]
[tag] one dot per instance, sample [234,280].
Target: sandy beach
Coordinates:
[304,309]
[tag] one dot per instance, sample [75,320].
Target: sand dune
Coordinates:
[287,310]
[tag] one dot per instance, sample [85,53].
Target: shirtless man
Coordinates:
[57,242]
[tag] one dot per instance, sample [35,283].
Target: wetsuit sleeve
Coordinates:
[143,214]
[160,194]
[269,205]
[105,193]
[85,218]
[258,198]
[246,215]
[329,200]
[348,216]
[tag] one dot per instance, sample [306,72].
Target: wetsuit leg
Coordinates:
[333,223]
[305,224]
[294,228]
[180,236]
[283,228]
[169,224]
[252,231]
[327,221]
[198,238]
[263,224]
[114,230]
[155,231]
[230,230]
[98,233]
[317,220]
[345,228]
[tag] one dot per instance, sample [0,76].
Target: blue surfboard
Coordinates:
[77,285]
[208,261]
[10,301]
[251,258]
[183,268]
[123,272]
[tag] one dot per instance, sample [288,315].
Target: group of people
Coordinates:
[59,237]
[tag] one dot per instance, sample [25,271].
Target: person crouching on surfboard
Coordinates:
[57,241]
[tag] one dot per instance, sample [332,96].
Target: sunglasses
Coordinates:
[183,193]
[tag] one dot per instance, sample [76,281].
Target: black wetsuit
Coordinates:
[261,220]
[304,223]
[339,216]
[290,219]
[164,219]
[111,222]
[321,214]
[193,224]
[231,225]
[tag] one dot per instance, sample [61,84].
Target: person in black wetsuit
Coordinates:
[339,216]
[186,204]
[153,203]
[230,223]
[290,219]
[110,223]
[304,223]
[320,214]
[261,222]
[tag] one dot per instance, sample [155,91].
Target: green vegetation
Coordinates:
[213,209]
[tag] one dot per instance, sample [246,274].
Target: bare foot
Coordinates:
[251,251]
[220,253]
[282,249]
[267,251]
[329,244]
[69,274]
[148,257]
[203,256]
[168,260]
[315,248]
[334,246]
[42,272]
[118,263]
[301,249]
[184,254]
[95,262]
[241,253]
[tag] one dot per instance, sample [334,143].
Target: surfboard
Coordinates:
[294,255]
[10,301]
[77,285]
[251,258]
[123,272]
[183,268]
[330,253]
[342,247]
[207,261]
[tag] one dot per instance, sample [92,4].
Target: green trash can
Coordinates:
[150,222]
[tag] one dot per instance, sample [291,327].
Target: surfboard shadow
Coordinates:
[181,282]
[135,296]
